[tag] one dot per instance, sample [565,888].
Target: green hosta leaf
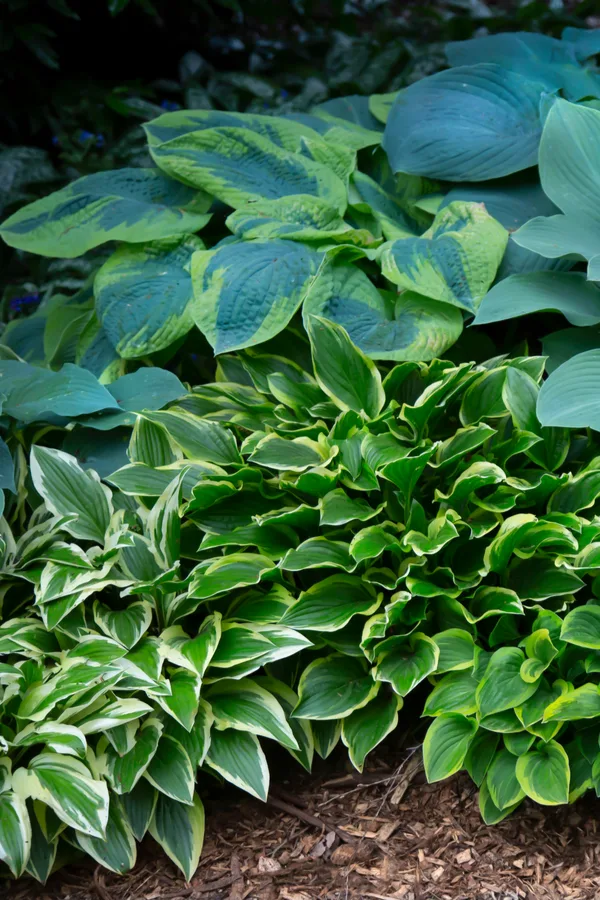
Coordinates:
[382,325]
[455,261]
[69,491]
[565,292]
[365,728]
[293,455]
[457,649]
[453,693]
[537,579]
[117,850]
[581,703]
[179,829]
[15,833]
[271,278]
[337,508]
[200,439]
[143,294]
[406,666]
[333,687]
[502,686]
[480,754]
[318,553]
[228,573]
[446,744]
[126,770]
[326,735]
[502,781]
[67,787]
[544,774]
[246,706]
[581,627]
[237,166]
[330,604]
[454,140]
[301,729]
[238,757]
[133,205]
[170,770]
[343,371]
[490,813]
[139,806]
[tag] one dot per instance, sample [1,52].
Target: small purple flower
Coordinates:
[27,300]
[169,106]
[283,94]
[55,140]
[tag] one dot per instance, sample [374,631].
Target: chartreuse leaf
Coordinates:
[268,278]
[245,706]
[502,686]
[238,757]
[333,687]
[68,490]
[383,325]
[133,205]
[330,604]
[455,261]
[179,829]
[15,832]
[581,627]
[544,774]
[446,744]
[143,294]
[405,666]
[581,703]
[280,130]
[117,850]
[346,375]
[67,787]
[454,141]
[365,728]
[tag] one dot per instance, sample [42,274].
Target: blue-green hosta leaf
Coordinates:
[346,375]
[384,326]
[455,261]
[446,744]
[70,491]
[570,397]
[244,705]
[246,293]
[471,123]
[365,728]
[133,205]
[570,178]
[143,295]
[68,788]
[238,757]
[117,850]
[297,218]
[354,108]
[333,687]
[385,204]
[147,389]
[565,292]
[15,833]
[238,166]
[179,829]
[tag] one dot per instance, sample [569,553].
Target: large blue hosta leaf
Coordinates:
[538,56]
[143,294]
[245,293]
[570,176]
[133,205]
[565,292]
[471,123]
[408,326]
[571,395]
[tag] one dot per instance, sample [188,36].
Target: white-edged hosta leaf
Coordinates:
[59,737]
[125,771]
[270,278]
[68,788]
[365,728]
[333,687]
[544,774]
[15,832]
[133,205]
[127,625]
[164,524]
[301,729]
[143,294]
[179,829]
[330,604]
[112,714]
[42,855]
[68,490]
[200,439]
[239,758]
[245,706]
[182,702]
[117,850]
[170,770]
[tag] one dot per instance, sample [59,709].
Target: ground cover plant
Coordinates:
[337,517]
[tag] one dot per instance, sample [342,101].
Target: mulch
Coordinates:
[338,835]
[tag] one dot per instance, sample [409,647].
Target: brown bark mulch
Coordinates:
[385,835]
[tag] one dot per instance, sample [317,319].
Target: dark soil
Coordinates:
[342,836]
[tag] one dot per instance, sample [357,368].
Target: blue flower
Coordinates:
[19,303]
[169,105]
[99,140]
[55,140]
[283,94]
[84,136]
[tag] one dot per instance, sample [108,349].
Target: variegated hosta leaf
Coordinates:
[143,295]
[455,261]
[245,293]
[384,326]
[15,832]
[179,829]
[133,205]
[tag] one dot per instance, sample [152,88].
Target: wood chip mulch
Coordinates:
[385,835]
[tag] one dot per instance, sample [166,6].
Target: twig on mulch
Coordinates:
[310,819]
[237,881]
[99,886]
